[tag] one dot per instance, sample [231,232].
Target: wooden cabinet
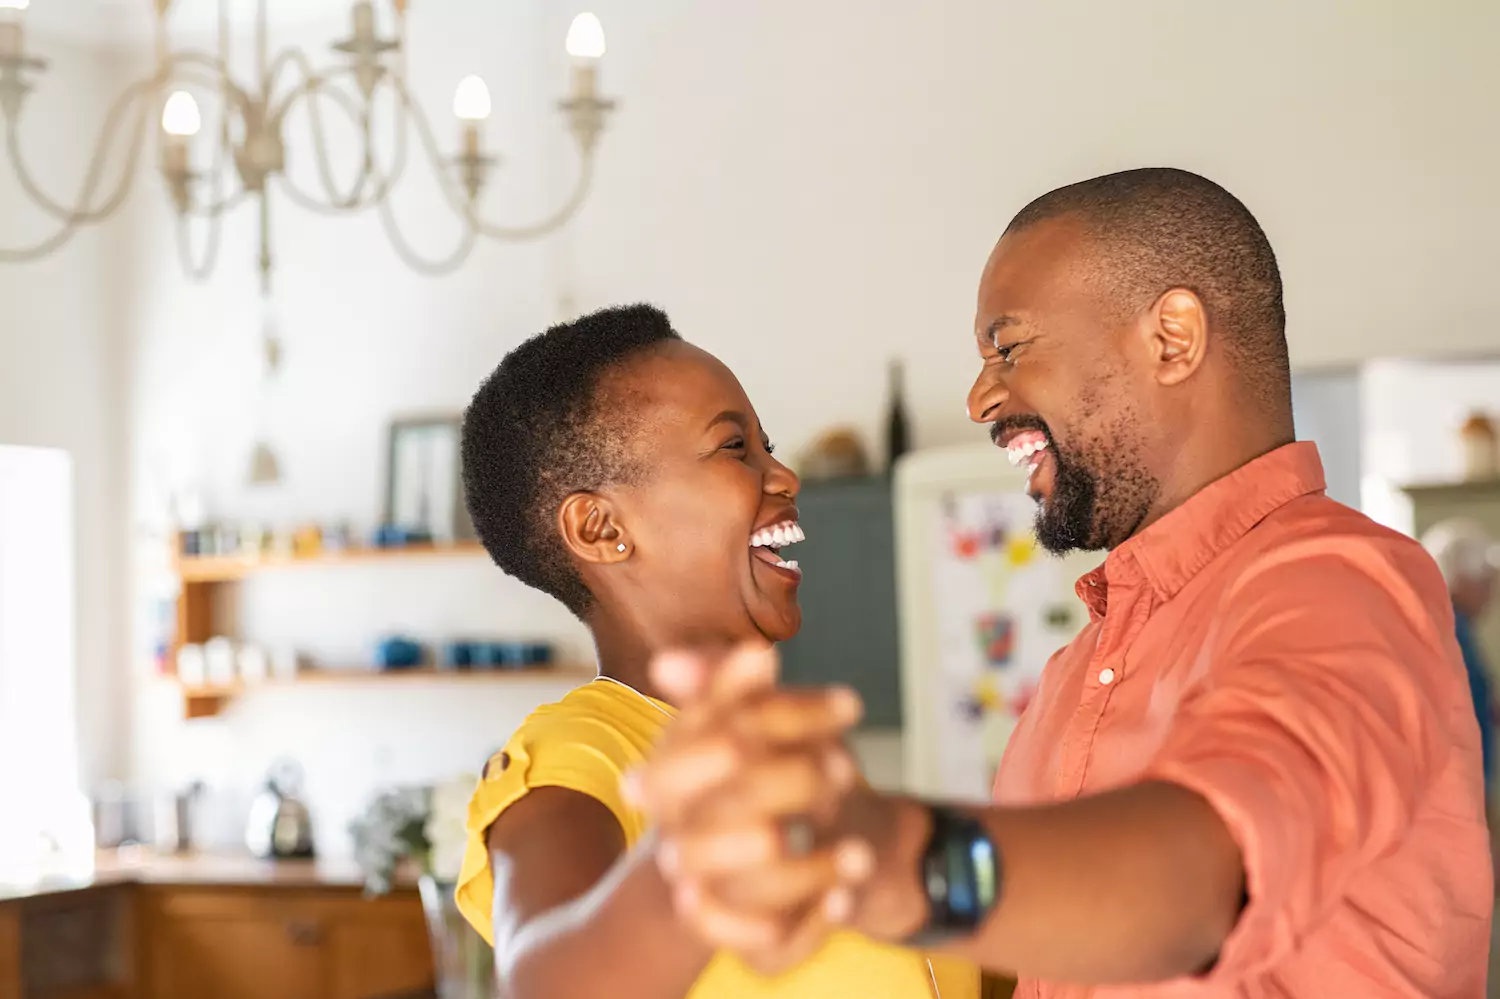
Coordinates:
[277,943]
[77,944]
[10,952]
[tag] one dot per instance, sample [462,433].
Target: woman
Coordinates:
[623,471]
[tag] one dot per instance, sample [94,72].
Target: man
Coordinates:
[1253,773]
[1468,559]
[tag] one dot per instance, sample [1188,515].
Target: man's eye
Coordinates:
[737,444]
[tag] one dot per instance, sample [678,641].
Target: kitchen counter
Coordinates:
[219,870]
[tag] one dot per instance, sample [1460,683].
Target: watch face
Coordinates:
[961,871]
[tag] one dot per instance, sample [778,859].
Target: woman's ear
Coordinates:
[591,530]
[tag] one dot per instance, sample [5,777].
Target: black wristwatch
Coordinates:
[962,875]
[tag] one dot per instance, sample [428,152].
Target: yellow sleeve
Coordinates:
[586,755]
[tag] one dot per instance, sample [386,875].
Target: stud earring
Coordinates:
[620,547]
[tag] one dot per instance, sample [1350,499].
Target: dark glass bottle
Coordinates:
[897,432]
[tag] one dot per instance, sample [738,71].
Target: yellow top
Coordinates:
[586,742]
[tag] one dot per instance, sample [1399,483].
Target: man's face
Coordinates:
[1065,387]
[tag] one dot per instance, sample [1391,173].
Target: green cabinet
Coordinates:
[849,632]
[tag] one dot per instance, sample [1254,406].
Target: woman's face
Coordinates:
[700,568]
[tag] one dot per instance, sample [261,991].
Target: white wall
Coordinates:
[1326,406]
[61,381]
[809,189]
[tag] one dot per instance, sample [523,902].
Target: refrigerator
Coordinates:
[981,608]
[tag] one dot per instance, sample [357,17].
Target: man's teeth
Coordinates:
[1021,452]
[789,564]
[779,536]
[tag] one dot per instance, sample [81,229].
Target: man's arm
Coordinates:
[1140,884]
[578,915]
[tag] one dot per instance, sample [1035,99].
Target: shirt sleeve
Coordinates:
[1329,707]
[581,755]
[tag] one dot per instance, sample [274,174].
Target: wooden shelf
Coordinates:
[1472,489]
[203,702]
[228,568]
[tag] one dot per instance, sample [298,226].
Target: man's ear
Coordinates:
[1177,329]
[591,529]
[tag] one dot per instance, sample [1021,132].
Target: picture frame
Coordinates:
[424,480]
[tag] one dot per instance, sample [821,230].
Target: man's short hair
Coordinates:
[1159,228]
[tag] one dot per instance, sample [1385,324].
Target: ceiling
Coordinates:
[128,23]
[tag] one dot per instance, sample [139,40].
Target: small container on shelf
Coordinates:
[394,536]
[337,537]
[1481,448]
[254,539]
[458,655]
[219,658]
[307,541]
[398,652]
[254,664]
[192,668]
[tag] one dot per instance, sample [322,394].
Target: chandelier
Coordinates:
[208,175]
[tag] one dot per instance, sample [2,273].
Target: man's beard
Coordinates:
[1079,515]
[1068,520]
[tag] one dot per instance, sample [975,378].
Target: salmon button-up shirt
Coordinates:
[1295,664]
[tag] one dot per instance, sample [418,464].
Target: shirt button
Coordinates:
[1106,676]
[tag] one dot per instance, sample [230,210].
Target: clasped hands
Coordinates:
[768,838]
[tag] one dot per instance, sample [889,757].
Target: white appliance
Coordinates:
[982,608]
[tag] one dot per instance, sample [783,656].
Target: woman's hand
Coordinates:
[754,795]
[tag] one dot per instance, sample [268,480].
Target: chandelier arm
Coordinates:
[26,254]
[462,205]
[301,198]
[195,270]
[387,179]
[312,86]
[83,213]
[551,223]
[384,180]
[418,263]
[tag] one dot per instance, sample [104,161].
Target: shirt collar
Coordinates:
[1173,550]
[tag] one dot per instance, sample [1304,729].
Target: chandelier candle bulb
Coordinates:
[180,117]
[586,47]
[471,99]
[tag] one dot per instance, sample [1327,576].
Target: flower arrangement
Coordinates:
[426,826]
[423,825]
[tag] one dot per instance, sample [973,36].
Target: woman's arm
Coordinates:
[576,914]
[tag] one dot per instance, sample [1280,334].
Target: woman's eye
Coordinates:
[738,444]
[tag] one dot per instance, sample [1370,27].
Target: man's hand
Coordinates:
[768,837]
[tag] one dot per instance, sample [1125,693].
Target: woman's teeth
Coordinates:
[779,536]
